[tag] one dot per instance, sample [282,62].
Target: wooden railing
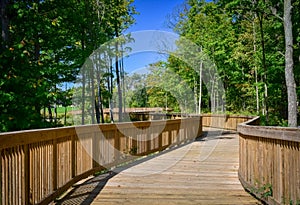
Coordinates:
[36,166]
[270,162]
[227,122]
[221,121]
[145,116]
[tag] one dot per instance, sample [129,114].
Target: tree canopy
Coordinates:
[43,46]
[252,45]
[247,42]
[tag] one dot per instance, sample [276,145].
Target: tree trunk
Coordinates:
[83,86]
[93,100]
[255,67]
[65,105]
[4,22]
[264,66]
[289,64]
[119,85]
[50,113]
[123,81]
[99,107]
[118,76]
[200,82]
[110,85]
[97,111]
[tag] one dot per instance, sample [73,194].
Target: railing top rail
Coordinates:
[18,138]
[229,115]
[271,132]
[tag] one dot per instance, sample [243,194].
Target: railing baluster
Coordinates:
[55,167]
[27,174]
[73,156]
[30,160]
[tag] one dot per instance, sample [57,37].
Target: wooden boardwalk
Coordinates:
[202,172]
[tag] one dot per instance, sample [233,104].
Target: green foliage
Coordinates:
[44,46]
[262,190]
[245,40]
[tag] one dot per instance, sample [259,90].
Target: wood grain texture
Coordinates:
[201,172]
[270,162]
[39,165]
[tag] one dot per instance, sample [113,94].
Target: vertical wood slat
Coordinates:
[6,170]
[94,151]
[117,147]
[27,174]
[40,159]
[270,161]
[55,165]
[73,156]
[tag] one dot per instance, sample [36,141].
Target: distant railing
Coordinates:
[270,162]
[221,121]
[148,116]
[36,166]
[227,122]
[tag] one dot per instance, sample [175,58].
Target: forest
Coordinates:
[253,44]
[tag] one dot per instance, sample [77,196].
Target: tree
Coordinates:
[41,54]
[245,40]
[289,64]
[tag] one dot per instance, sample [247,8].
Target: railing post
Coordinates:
[160,139]
[54,172]
[73,156]
[169,137]
[27,174]
[95,150]
[116,145]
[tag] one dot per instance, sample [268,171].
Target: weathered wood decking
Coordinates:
[202,172]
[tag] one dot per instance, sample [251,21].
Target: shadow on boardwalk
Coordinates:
[189,180]
[86,192]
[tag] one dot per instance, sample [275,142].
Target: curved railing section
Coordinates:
[270,162]
[36,166]
[221,121]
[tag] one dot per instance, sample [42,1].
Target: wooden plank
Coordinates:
[60,140]
[180,176]
[73,155]
[55,165]
[281,133]
[27,172]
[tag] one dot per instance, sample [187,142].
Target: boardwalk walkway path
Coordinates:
[202,172]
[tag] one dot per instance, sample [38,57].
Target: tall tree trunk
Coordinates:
[200,84]
[65,105]
[97,108]
[99,105]
[4,22]
[119,85]
[255,67]
[289,64]
[195,94]
[265,78]
[93,100]
[118,76]
[110,88]
[55,107]
[50,113]
[123,80]
[83,85]
[213,107]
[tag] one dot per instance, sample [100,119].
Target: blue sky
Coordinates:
[152,16]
